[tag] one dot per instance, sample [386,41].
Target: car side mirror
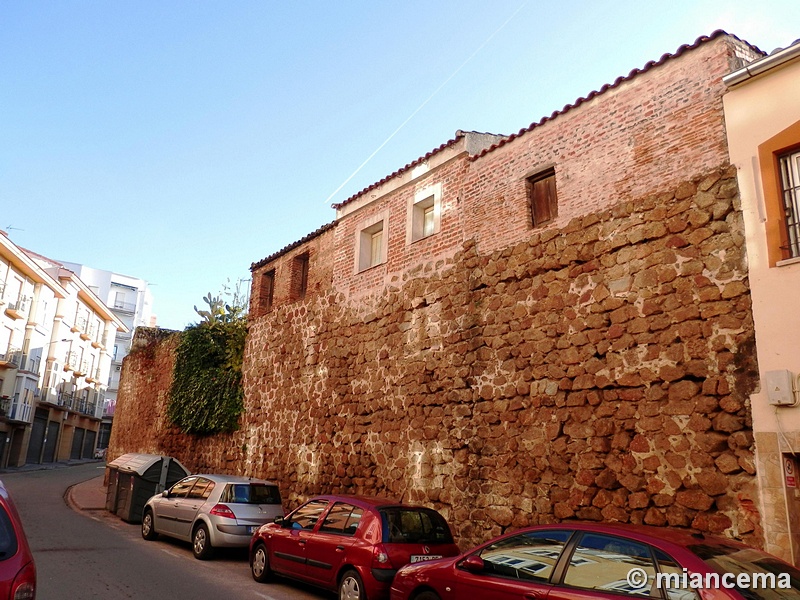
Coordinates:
[473,564]
[165,493]
[279,521]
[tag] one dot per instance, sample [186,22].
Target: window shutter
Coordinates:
[544,203]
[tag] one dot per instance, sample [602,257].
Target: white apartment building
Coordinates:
[54,342]
[130,299]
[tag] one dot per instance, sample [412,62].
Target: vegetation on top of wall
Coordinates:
[206,396]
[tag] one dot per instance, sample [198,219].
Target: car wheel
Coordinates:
[259,565]
[201,542]
[351,587]
[148,529]
[427,595]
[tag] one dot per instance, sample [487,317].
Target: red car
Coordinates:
[17,569]
[577,561]
[350,544]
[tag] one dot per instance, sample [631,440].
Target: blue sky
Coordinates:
[179,141]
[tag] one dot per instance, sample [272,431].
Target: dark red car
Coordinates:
[17,570]
[351,544]
[578,561]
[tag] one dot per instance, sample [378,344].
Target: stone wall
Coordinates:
[598,372]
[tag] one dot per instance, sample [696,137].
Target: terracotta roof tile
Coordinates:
[459,135]
[293,245]
[617,82]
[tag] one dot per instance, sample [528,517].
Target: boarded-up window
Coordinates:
[544,201]
[265,292]
[300,276]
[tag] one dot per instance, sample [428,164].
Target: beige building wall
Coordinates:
[762,115]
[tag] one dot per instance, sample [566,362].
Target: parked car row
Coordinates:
[367,548]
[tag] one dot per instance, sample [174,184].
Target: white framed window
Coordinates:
[424,213]
[371,243]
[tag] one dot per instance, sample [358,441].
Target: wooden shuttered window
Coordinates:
[300,276]
[544,201]
[265,290]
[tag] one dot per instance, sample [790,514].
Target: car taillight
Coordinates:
[24,586]
[380,558]
[222,510]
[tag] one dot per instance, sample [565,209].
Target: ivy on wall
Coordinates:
[206,396]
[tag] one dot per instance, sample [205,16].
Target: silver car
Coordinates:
[212,511]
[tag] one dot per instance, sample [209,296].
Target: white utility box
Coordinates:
[780,387]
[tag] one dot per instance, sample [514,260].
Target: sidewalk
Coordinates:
[87,495]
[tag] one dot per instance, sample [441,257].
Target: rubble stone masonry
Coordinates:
[597,372]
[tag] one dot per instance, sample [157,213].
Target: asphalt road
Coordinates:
[95,555]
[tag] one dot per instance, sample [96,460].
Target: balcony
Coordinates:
[82,369]
[18,309]
[109,406]
[12,359]
[66,399]
[14,410]
[124,307]
[72,362]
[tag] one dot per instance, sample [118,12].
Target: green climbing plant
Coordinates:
[206,396]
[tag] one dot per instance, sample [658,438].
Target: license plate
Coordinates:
[252,528]
[415,558]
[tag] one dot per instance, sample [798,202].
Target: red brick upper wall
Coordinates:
[645,133]
[660,127]
[283,268]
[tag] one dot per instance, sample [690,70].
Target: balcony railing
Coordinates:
[78,403]
[71,364]
[11,358]
[18,308]
[14,410]
[126,307]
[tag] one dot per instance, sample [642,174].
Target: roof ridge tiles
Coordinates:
[617,82]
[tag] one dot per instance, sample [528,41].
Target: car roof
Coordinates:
[221,478]
[364,501]
[644,533]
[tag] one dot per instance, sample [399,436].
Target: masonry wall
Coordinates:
[598,369]
[511,388]
[522,387]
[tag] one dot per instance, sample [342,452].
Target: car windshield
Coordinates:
[251,493]
[414,525]
[768,576]
[8,538]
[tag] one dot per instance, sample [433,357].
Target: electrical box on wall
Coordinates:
[780,387]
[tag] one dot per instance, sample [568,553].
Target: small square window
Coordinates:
[422,219]
[543,197]
[424,214]
[371,246]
